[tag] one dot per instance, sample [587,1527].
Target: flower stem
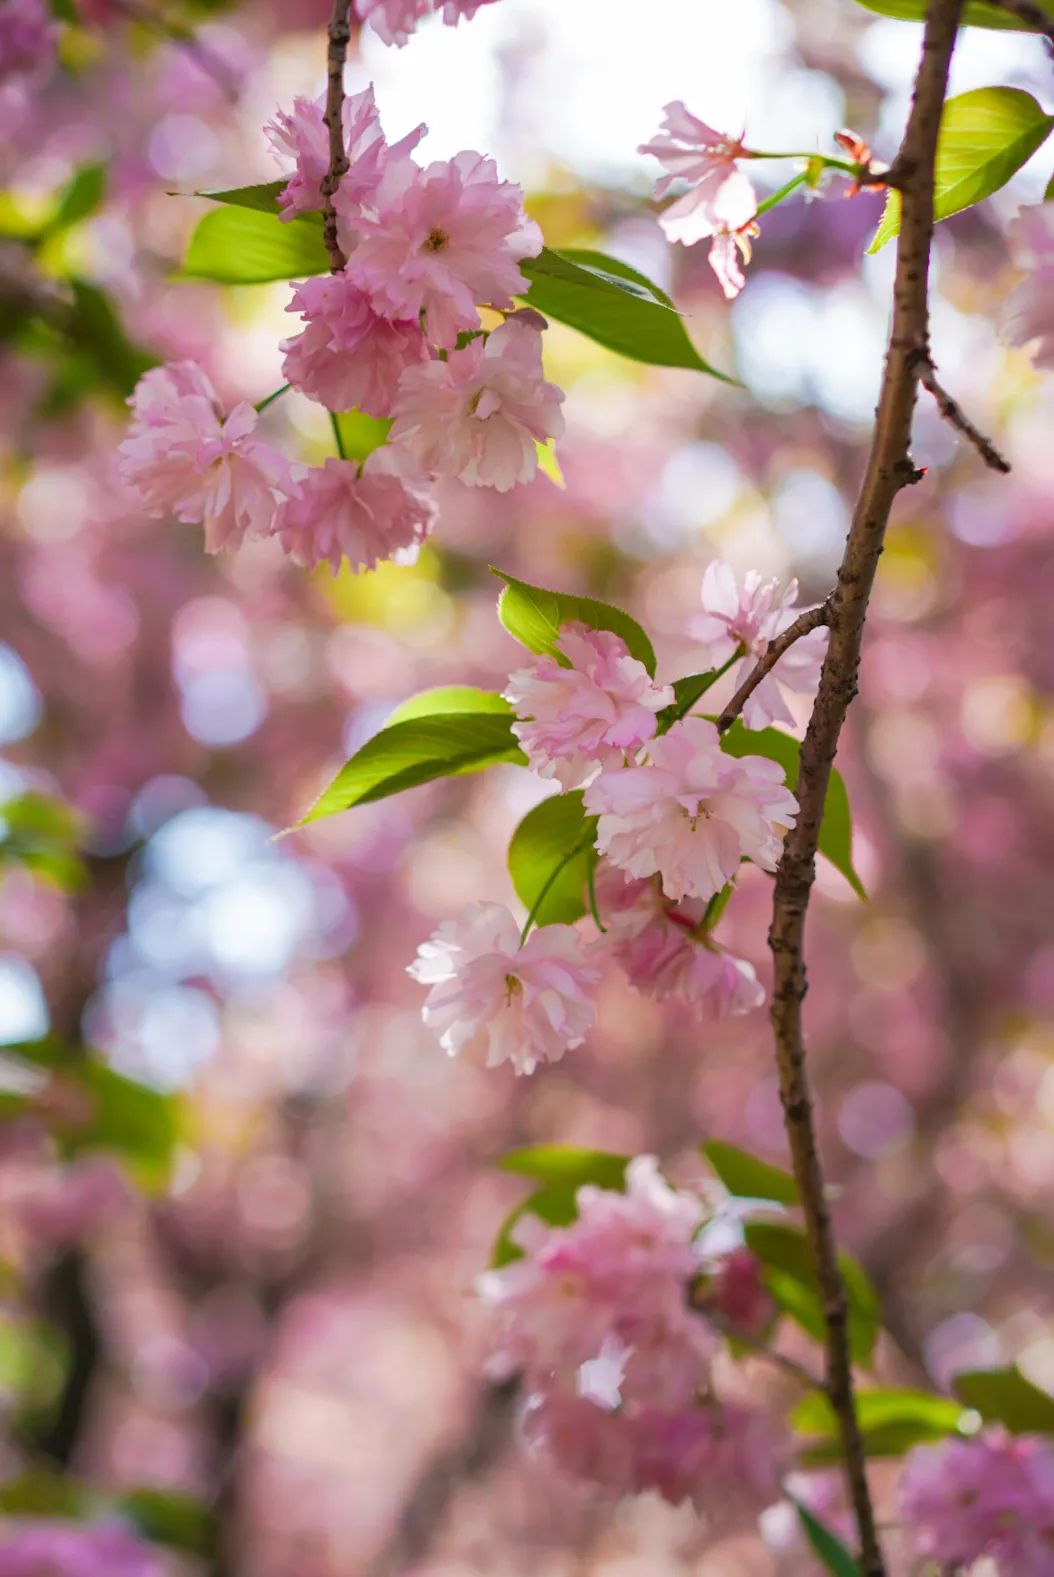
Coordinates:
[261,405]
[338,437]
[777,197]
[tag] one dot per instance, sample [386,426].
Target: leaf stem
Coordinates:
[338,437]
[771,201]
[261,405]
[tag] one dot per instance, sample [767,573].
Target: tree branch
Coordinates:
[889,468]
[807,621]
[956,417]
[338,34]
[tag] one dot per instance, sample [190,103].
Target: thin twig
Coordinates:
[338,34]
[956,417]
[807,621]
[889,468]
[798,1371]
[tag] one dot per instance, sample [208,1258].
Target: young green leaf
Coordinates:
[550,855]
[836,830]
[615,305]
[263,197]
[566,1170]
[785,1252]
[450,698]
[985,138]
[244,246]
[416,751]
[745,1176]
[892,1420]
[976,14]
[826,1546]
[533,616]
[360,434]
[1004,1396]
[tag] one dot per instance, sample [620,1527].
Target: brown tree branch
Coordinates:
[889,468]
[807,621]
[956,417]
[338,34]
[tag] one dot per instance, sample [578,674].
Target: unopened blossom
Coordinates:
[692,812]
[479,415]
[597,713]
[664,950]
[1029,316]
[347,357]
[721,201]
[27,37]
[745,619]
[992,1495]
[442,240]
[299,136]
[500,1002]
[336,514]
[33,1547]
[182,456]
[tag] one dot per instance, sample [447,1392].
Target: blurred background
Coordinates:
[244,1311]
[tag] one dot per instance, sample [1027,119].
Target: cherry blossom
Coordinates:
[992,1495]
[664,951]
[745,619]
[183,457]
[337,513]
[347,357]
[737,1293]
[300,136]
[32,1548]
[27,37]
[692,812]
[394,21]
[500,1001]
[1029,318]
[478,415]
[442,239]
[573,721]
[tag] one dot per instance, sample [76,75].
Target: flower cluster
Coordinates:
[990,1496]
[720,201]
[676,814]
[395,20]
[736,626]
[394,333]
[597,1317]
[33,1548]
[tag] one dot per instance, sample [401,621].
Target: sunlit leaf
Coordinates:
[551,852]
[747,1177]
[1004,1396]
[534,616]
[450,698]
[566,1170]
[892,1420]
[976,14]
[784,1251]
[360,434]
[244,246]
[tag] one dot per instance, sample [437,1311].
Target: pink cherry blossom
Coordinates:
[58,1205]
[692,812]
[183,457]
[721,201]
[992,1495]
[1029,317]
[478,415]
[573,721]
[497,1000]
[737,1293]
[441,240]
[746,619]
[660,947]
[37,1548]
[347,357]
[27,37]
[393,20]
[300,136]
[336,513]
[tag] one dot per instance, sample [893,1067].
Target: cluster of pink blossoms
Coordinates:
[598,1319]
[676,815]
[394,333]
[991,1496]
[720,201]
[395,20]
[38,1548]
[1030,309]
[28,32]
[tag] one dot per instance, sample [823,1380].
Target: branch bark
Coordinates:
[807,621]
[956,417]
[338,34]
[889,468]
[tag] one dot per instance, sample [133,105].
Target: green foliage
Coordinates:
[976,14]
[550,857]
[263,197]
[826,1546]
[790,1277]
[450,698]
[419,750]
[836,830]
[166,1517]
[42,834]
[686,692]
[747,1177]
[360,434]
[1004,1396]
[614,305]
[34,1359]
[985,138]
[892,1420]
[79,200]
[562,1170]
[40,1492]
[246,246]
[534,616]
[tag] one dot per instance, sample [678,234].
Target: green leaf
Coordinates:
[534,616]
[1004,1396]
[404,755]
[836,830]
[826,1546]
[615,305]
[567,1170]
[165,1516]
[686,693]
[263,197]
[81,198]
[360,434]
[985,138]
[243,246]
[42,1492]
[42,834]
[551,853]
[1048,195]
[450,698]
[976,14]
[892,1420]
[745,1176]
[548,464]
[784,1251]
